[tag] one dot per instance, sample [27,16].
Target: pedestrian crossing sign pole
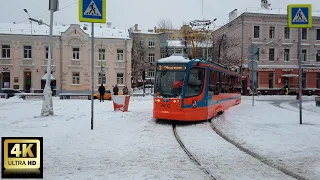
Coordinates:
[300,16]
[93,11]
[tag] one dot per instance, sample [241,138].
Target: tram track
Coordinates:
[174,128]
[253,154]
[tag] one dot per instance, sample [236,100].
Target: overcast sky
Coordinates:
[146,13]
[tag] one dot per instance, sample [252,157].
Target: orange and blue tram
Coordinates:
[193,90]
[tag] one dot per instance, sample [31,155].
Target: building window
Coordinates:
[178,51]
[102,54]
[258,54]
[272,31]
[271,80]
[151,43]
[102,80]
[271,54]
[120,78]
[318,34]
[47,53]
[304,80]
[304,33]
[304,55]
[286,54]
[318,56]
[27,52]
[5,51]
[318,80]
[286,33]
[75,53]
[120,54]
[163,55]
[256,31]
[142,58]
[75,78]
[151,57]
[141,43]
[151,74]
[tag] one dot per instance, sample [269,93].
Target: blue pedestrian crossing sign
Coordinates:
[92,11]
[299,15]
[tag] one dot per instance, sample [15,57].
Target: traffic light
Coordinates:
[143,75]
[167,51]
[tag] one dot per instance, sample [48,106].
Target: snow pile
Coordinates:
[275,133]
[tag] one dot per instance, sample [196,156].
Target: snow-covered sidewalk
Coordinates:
[275,133]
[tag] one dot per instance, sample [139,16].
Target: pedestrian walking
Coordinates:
[102,91]
[115,90]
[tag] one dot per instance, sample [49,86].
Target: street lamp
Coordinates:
[26,11]
[47,105]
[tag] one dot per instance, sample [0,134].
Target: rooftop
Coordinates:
[100,31]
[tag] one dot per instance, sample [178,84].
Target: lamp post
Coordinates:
[26,11]
[47,105]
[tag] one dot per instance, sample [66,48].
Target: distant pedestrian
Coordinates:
[102,91]
[125,90]
[115,90]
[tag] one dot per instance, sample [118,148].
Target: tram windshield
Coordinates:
[169,80]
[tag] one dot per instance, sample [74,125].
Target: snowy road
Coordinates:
[222,159]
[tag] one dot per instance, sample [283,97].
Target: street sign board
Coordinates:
[93,11]
[253,57]
[252,65]
[253,49]
[299,15]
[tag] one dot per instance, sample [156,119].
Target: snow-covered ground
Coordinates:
[132,145]
[275,133]
[122,145]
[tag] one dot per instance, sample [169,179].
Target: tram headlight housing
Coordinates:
[176,101]
[157,100]
[194,103]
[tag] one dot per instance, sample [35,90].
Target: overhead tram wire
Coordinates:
[76,2]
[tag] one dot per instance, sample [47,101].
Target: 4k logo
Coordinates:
[22,157]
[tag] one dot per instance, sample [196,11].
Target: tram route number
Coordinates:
[165,105]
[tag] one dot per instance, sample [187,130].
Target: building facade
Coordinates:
[24,57]
[149,47]
[277,52]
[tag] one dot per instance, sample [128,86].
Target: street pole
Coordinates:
[253,86]
[300,72]
[47,106]
[92,71]
[101,64]
[1,80]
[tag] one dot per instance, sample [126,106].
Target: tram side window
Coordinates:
[195,82]
[212,82]
[218,82]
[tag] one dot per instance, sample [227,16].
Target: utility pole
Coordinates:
[47,106]
[101,72]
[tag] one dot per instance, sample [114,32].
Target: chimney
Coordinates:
[155,29]
[136,27]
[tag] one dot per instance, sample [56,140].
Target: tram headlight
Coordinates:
[157,100]
[175,101]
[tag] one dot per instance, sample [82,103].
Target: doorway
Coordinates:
[286,82]
[27,81]
[5,79]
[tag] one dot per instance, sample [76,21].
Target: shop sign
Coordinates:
[311,70]
[287,70]
[266,69]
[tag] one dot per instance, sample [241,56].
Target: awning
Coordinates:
[290,75]
[44,77]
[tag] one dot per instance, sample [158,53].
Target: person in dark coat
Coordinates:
[102,91]
[116,90]
[125,90]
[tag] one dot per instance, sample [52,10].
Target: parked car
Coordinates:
[10,91]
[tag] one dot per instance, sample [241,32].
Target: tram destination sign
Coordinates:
[175,67]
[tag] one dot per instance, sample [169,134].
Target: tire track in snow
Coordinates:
[255,155]
[189,154]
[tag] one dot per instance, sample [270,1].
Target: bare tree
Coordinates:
[138,53]
[224,50]
[165,25]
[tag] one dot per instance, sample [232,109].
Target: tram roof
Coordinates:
[173,59]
